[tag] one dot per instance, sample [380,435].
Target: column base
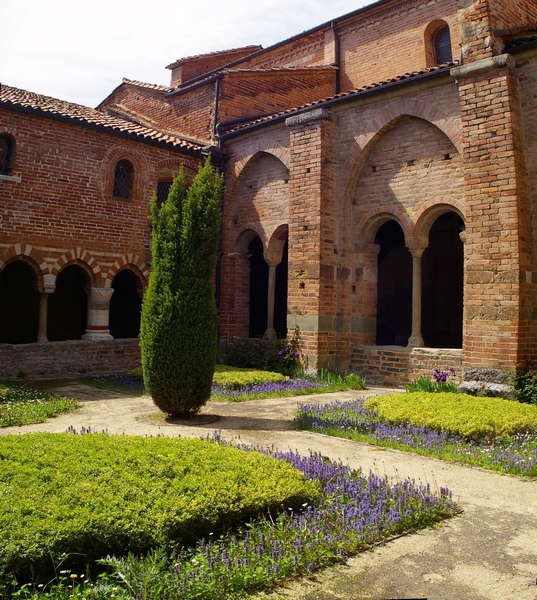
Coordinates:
[270,334]
[415,341]
[96,336]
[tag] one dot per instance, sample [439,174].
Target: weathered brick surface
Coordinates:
[68,359]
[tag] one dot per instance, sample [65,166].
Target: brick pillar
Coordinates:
[314,304]
[364,302]
[497,252]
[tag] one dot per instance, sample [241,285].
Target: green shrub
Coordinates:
[179,322]
[524,383]
[471,417]
[94,495]
[235,377]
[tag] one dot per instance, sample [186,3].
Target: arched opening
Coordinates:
[68,305]
[163,189]
[258,289]
[125,305]
[442,283]
[7,152]
[280,296]
[123,179]
[19,304]
[394,286]
[442,45]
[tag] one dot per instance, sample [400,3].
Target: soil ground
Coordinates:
[487,552]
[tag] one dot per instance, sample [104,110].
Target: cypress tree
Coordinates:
[179,322]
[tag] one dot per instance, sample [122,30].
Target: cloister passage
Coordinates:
[68,305]
[394,286]
[432,316]
[264,302]
[442,283]
[19,304]
[125,305]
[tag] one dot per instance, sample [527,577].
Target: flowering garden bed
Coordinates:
[513,451]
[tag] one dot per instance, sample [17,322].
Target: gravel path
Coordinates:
[488,552]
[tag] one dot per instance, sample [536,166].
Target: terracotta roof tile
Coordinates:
[177,62]
[520,43]
[87,116]
[151,86]
[237,126]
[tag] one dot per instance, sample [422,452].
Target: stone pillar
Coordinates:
[98,314]
[416,339]
[43,305]
[273,259]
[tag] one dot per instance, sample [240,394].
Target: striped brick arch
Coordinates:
[75,256]
[132,261]
[30,255]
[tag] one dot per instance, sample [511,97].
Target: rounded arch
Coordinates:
[83,258]
[128,261]
[431,42]
[246,235]
[430,214]
[68,305]
[7,153]
[29,254]
[277,242]
[367,229]
[19,301]
[108,165]
[126,304]
[167,168]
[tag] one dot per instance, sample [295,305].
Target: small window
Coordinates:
[163,189]
[442,46]
[123,179]
[7,147]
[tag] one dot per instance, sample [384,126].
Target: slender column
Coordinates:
[416,338]
[43,305]
[270,333]
[98,314]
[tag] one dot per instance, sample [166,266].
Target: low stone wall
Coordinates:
[395,365]
[68,359]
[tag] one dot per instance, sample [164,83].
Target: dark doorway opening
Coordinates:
[125,305]
[68,305]
[280,297]
[394,287]
[442,284]
[19,304]
[258,289]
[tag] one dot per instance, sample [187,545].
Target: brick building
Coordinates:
[381,181]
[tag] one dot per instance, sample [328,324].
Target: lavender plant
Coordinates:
[515,453]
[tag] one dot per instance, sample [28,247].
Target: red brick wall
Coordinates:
[64,198]
[68,359]
[244,94]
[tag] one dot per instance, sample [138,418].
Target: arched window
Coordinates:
[123,179]
[7,148]
[442,46]
[163,189]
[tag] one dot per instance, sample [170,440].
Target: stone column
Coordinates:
[98,314]
[43,305]
[416,338]
[273,259]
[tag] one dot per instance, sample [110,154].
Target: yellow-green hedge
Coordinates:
[472,417]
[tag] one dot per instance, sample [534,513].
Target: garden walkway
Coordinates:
[488,552]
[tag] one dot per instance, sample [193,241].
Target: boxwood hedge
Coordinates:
[472,417]
[94,495]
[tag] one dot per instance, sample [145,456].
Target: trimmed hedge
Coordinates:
[472,417]
[94,495]
[235,377]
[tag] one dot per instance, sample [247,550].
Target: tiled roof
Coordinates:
[83,115]
[212,54]
[237,126]
[150,86]
[520,43]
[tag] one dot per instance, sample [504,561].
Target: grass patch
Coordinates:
[23,405]
[491,433]
[91,495]
[352,513]
[235,384]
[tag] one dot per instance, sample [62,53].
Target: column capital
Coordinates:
[417,246]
